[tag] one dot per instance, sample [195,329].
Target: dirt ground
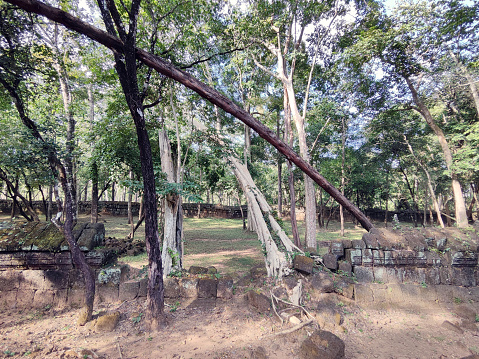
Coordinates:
[230,329]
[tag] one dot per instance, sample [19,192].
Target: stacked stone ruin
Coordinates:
[428,256]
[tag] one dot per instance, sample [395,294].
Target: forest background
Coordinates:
[383,103]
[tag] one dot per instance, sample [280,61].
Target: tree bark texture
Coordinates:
[171,254]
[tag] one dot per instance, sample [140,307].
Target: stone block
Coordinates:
[433,259]
[56,279]
[188,287]
[380,274]
[345,267]
[60,300]
[197,270]
[464,259]
[410,275]
[76,297]
[258,301]
[322,345]
[143,290]
[371,241]
[225,288]
[355,256]
[25,298]
[43,298]
[347,243]
[445,273]
[172,287]
[364,274]
[393,276]
[368,258]
[129,290]
[322,282]
[32,279]
[388,258]
[8,299]
[421,259]
[433,276]
[358,244]
[108,293]
[378,257]
[330,261]
[463,277]
[363,294]
[10,279]
[303,264]
[337,248]
[98,238]
[207,288]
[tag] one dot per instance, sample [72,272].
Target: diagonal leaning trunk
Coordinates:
[276,244]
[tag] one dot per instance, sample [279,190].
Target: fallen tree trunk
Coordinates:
[277,246]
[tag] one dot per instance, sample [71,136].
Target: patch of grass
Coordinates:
[138,258]
[237,263]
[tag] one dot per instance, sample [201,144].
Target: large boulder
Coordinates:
[322,345]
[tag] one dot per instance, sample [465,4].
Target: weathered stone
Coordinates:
[358,244]
[197,270]
[330,261]
[378,257]
[129,290]
[290,282]
[225,288]
[449,326]
[337,248]
[464,259]
[371,241]
[466,312]
[107,293]
[8,299]
[322,345]
[188,287]
[43,298]
[355,256]
[347,243]
[203,304]
[258,272]
[107,322]
[143,290]
[322,282]
[433,276]
[345,267]
[172,287]
[441,243]
[258,301]
[303,264]
[364,274]
[463,277]
[470,326]
[368,259]
[207,288]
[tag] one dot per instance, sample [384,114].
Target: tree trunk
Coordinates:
[171,253]
[31,216]
[94,193]
[288,134]
[459,204]
[429,182]
[343,158]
